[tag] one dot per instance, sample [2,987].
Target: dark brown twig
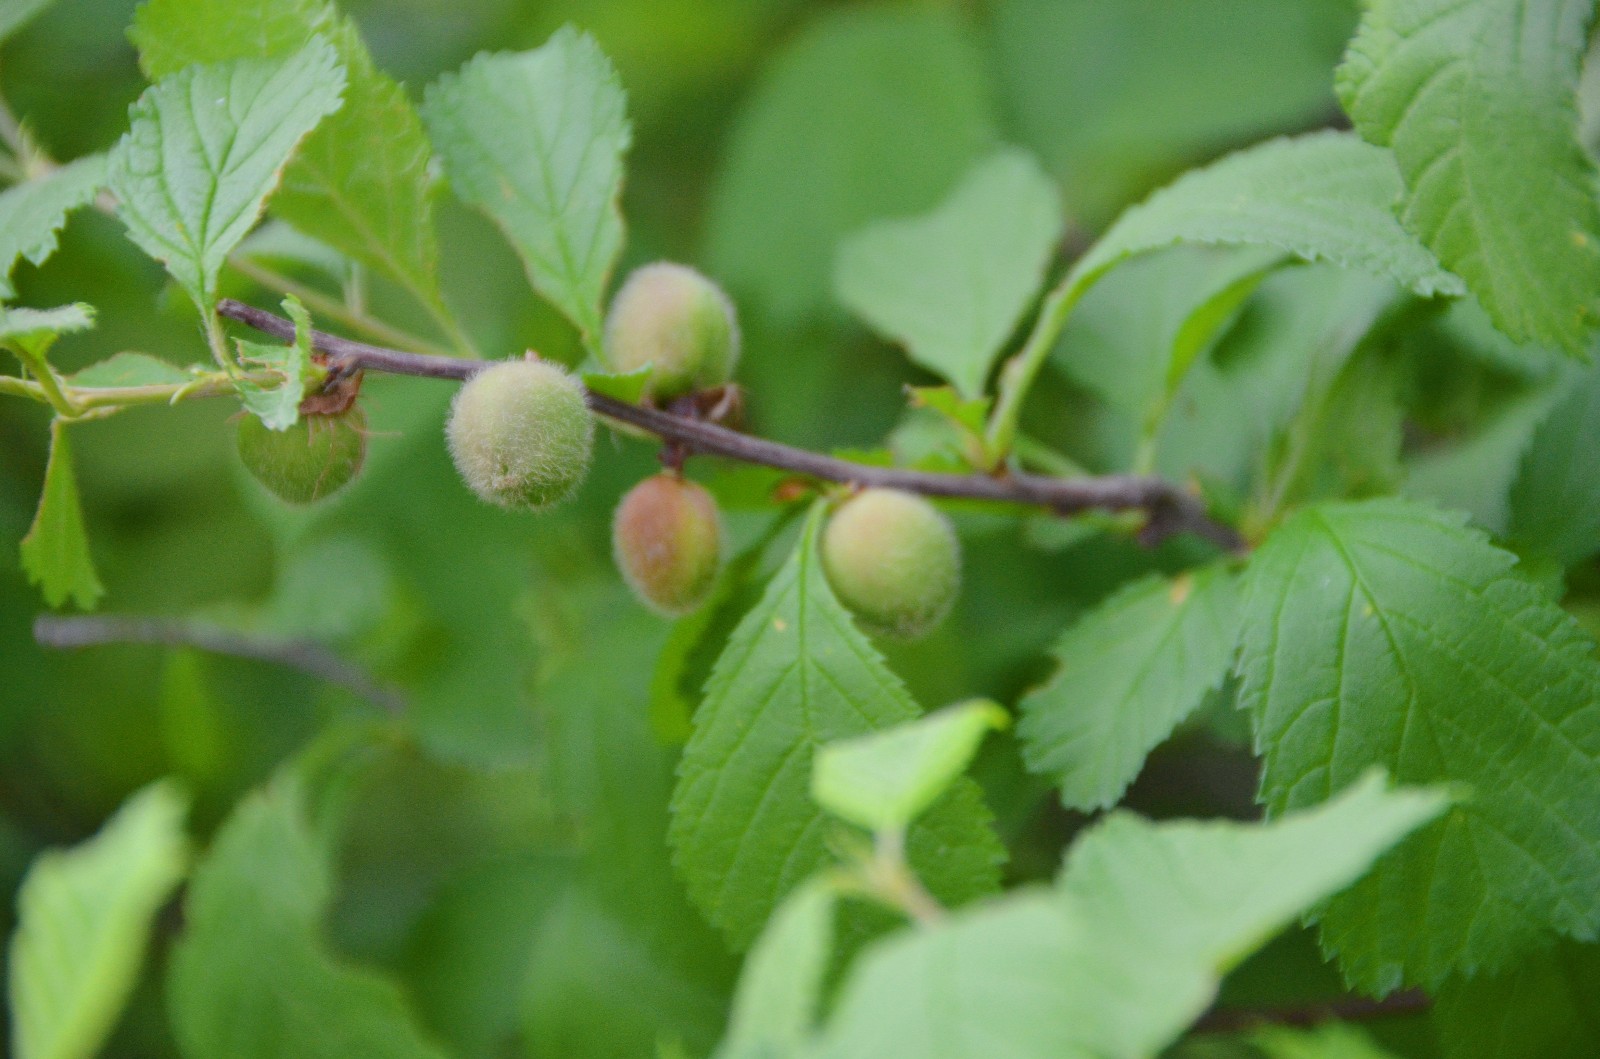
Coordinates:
[306,656]
[1170,509]
[1347,1009]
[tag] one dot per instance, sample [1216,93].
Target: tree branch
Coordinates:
[307,656]
[1346,1009]
[1171,510]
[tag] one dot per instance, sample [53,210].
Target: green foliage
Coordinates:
[885,780]
[55,553]
[251,976]
[535,140]
[206,148]
[32,213]
[84,916]
[775,1008]
[1555,500]
[744,827]
[278,406]
[1128,674]
[1471,97]
[1544,1006]
[1123,952]
[14,14]
[1387,633]
[952,285]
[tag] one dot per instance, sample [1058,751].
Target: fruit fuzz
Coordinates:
[680,323]
[521,434]
[894,560]
[312,459]
[667,538]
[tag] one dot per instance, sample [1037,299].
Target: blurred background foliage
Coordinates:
[500,849]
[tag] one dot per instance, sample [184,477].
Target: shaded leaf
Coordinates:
[55,553]
[31,213]
[1386,633]
[1472,98]
[84,914]
[1546,1007]
[1555,500]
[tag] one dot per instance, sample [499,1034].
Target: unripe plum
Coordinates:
[676,320]
[521,435]
[894,560]
[667,538]
[315,457]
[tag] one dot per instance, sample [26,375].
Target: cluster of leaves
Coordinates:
[1372,350]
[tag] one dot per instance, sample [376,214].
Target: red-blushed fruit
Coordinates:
[677,321]
[894,560]
[315,457]
[667,539]
[521,434]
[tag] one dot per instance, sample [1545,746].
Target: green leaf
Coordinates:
[1472,98]
[951,285]
[206,148]
[360,181]
[278,407]
[626,386]
[14,14]
[1547,1007]
[1385,633]
[34,331]
[869,113]
[780,988]
[31,213]
[55,553]
[1331,1040]
[250,977]
[1126,951]
[129,369]
[1127,674]
[84,914]
[885,780]
[797,674]
[1320,197]
[1555,500]
[536,140]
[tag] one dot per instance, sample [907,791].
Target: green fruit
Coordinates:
[894,560]
[315,457]
[667,538]
[521,434]
[674,319]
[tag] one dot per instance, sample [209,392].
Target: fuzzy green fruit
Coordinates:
[521,435]
[315,457]
[894,560]
[674,319]
[667,538]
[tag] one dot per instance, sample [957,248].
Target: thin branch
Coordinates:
[1170,510]
[306,656]
[1347,1009]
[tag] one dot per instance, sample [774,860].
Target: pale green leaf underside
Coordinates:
[206,147]
[84,914]
[55,553]
[1126,951]
[1320,197]
[775,1006]
[129,369]
[360,182]
[797,674]
[952,284]
[34,331]
[536,140]
[1473,98]
[1386,633]
[1128,673]
[32,213]
[884,780]
[278,406]
[250,978]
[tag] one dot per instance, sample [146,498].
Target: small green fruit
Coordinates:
[674,319]
[894,560]
[312,459]
[667,537]
[521,435]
